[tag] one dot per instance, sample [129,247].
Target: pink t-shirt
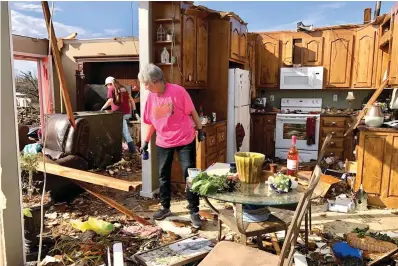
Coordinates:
[170,116]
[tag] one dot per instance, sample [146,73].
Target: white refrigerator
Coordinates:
[238,110]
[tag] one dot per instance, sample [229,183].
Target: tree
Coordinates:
[27,84]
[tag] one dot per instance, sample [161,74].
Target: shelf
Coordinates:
[164,42]
[164,20]
[164,64]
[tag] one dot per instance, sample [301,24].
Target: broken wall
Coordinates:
[27,46]
[94,47]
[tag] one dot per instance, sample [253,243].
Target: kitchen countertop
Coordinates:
[342,115]
[378,129]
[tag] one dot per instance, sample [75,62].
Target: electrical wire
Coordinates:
[43,155]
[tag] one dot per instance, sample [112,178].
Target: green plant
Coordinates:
[282,182]
[206,184]
[169,32]
[29,163]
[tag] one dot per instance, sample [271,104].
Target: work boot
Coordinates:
[196,220]
[131,147]
[161,214]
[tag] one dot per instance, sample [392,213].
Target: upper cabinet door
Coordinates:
[268,62]
[338,58]
[235,39]
[202,52]
[364,57]
[312,51]
[394,49]
[189,50]
[243,42]
[287,50]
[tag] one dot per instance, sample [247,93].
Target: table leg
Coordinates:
[306,232]
[210,205]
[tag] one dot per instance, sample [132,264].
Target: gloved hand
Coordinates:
[144,147]
[201,135]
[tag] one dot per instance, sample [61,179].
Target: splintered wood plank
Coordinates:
[88,177]
[58,63]
[114,204]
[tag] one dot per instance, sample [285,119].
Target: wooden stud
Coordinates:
[58,63]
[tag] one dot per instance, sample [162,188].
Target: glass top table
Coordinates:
[260,194]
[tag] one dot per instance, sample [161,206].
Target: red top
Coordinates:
[124,105]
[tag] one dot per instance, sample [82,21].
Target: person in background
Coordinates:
[169,111]
[120,100]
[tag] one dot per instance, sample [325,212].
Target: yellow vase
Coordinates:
[249,166]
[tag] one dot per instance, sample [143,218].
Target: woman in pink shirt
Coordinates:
[170,112]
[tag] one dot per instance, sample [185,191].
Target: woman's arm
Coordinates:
[108,103]
[196,119]
[150,131]
[132,103]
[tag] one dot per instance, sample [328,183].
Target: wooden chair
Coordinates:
[234,254]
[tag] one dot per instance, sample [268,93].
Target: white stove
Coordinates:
[292,121]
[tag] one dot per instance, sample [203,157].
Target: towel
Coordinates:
[311,124]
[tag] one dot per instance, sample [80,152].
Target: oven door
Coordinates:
[288,126]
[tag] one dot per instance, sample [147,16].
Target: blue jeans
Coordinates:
[126,133]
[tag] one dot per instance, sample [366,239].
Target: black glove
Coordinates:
[144,147]
[201,135]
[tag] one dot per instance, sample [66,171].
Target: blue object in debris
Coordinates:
[342,249]
[34,148]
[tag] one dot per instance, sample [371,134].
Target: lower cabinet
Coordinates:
[211,150]
[377,166]
[262,137]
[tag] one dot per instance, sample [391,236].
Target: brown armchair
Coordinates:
[68,147]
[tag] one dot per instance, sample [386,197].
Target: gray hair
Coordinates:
[151,74]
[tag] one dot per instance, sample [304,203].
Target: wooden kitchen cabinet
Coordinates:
[238,40]
[287,51]
[377,166]
[312,51]
[394,48]
[340,146]
[268,62]
[211,150]
[195,51]
[251,63]
[263,134]
[364,57]
[338,58]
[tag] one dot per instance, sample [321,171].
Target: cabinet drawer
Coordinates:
[270,120]
[334,122]
[336,132]
[335,143]
[221,156]
[211,143]
[331,152]
[210,159]
[221,134]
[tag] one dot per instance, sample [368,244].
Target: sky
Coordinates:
[92,19]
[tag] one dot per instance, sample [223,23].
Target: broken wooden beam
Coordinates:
[361,114]
[58,63]
[87,177]
[114,204]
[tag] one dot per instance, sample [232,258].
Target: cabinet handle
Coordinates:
[333,123]
[331,154]
[269,121]
[333,133]
[332,143]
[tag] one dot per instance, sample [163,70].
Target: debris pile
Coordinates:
[28,116]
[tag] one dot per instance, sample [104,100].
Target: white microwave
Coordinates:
[301,78]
